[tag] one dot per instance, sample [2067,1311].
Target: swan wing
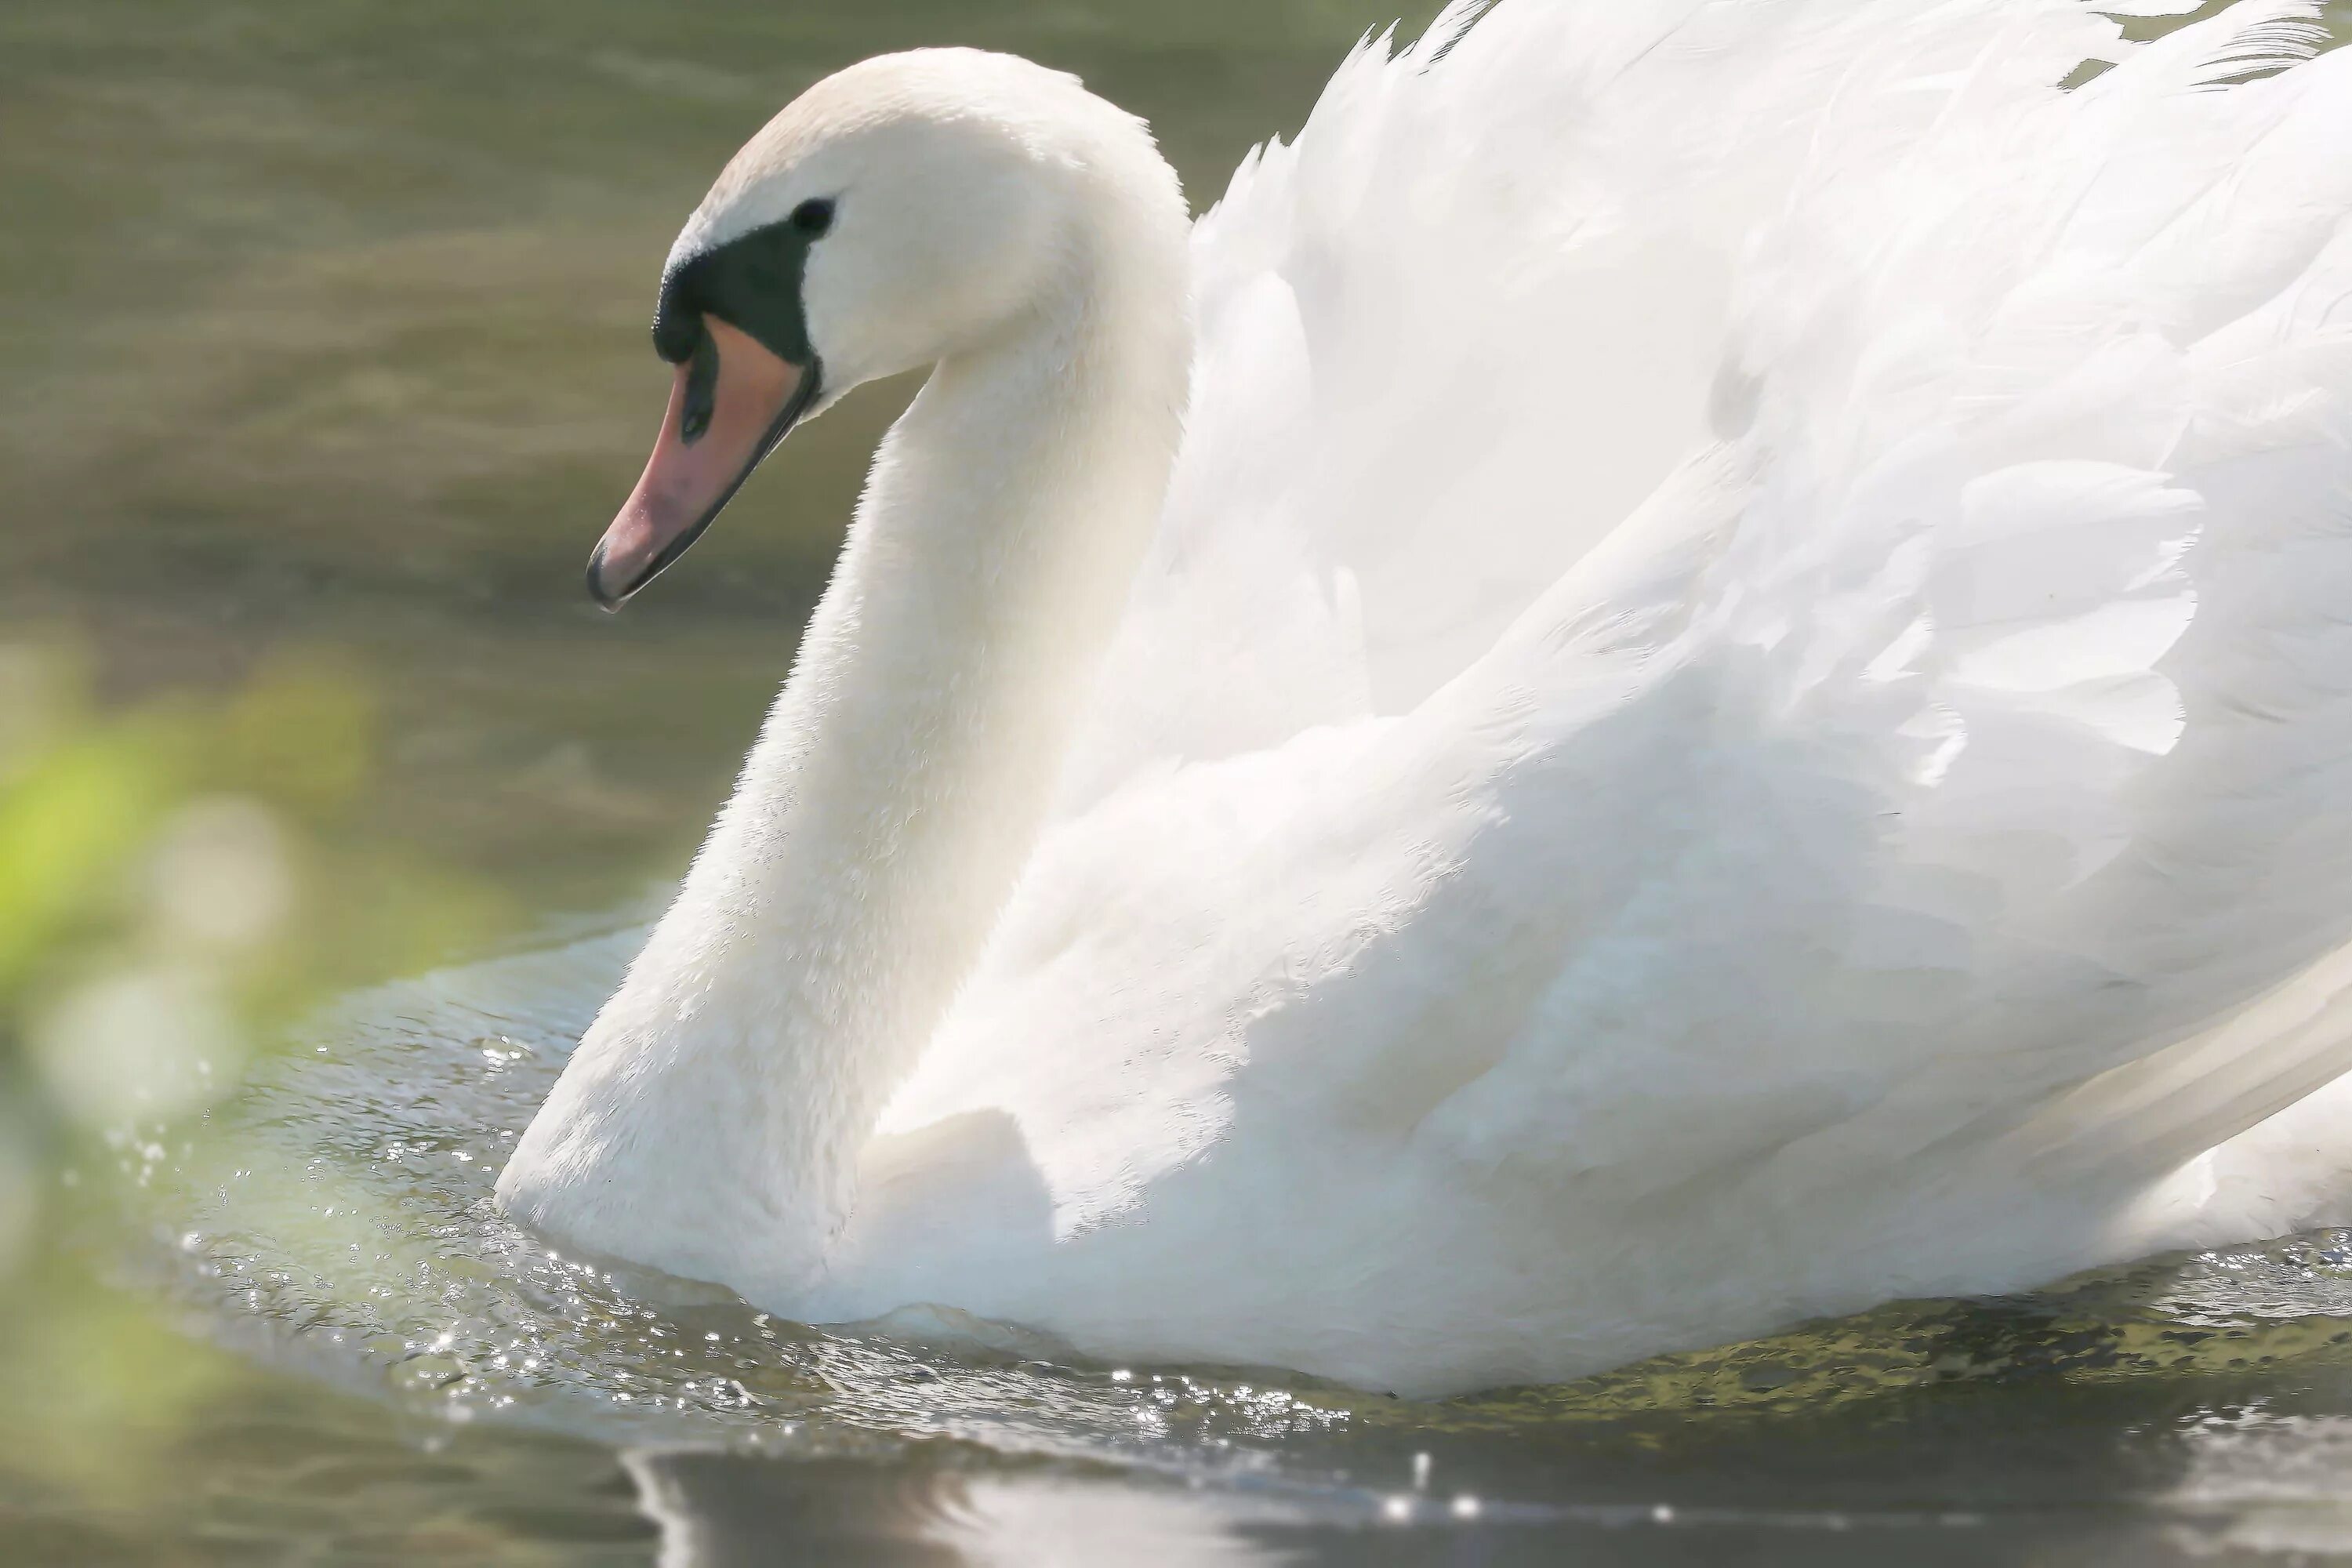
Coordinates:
[1751,626]
[1458,330]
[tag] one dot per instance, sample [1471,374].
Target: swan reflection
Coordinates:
[718,1510]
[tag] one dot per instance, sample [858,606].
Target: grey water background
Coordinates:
[323,331]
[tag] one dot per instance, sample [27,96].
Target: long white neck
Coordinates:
[715,1110]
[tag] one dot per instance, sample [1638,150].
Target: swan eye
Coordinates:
[813,217]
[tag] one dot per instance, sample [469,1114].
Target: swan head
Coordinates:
[902,211]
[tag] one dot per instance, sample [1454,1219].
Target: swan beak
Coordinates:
[730,406]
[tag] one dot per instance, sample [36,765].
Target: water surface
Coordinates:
[336,1222]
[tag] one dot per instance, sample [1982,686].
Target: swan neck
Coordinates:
[907,766]
[900,780]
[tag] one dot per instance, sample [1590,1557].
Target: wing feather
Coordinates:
[1742,646]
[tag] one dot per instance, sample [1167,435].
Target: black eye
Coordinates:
[813,217]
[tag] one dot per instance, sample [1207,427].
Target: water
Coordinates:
[322,324]
[336,1221]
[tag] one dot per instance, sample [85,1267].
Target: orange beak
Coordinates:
[730,406]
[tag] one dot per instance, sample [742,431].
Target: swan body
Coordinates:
[1690,669]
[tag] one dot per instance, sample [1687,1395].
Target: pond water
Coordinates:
[325,349]
[335,1222]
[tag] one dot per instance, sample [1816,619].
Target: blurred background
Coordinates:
[323,362]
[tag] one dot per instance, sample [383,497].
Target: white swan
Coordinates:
[1739,701]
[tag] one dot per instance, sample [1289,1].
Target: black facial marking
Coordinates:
[753,283]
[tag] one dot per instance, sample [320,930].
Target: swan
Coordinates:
[1690,668]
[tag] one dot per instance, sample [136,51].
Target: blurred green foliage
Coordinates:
[179,879]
